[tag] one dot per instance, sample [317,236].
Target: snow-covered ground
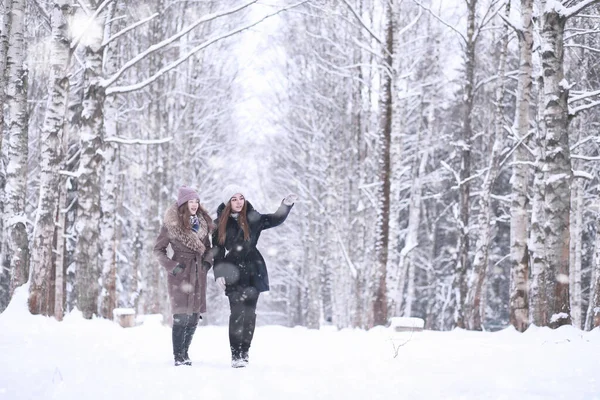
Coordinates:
[88,360]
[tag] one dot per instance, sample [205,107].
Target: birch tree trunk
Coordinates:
[108,295]
[16,244]
[108,298]
[575,254]
[551,227]
[473,303]
[519,221]
[359,244]
[71,164]
[52,134]
[5,15]
[412,237]
[464,187]
[150,297]
[538,302]
[60,281]
[5,6]
[87,254]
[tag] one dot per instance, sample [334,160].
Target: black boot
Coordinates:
[244,354]
[236,356]
[178,343]
[236,333]
[189,334]
[249,325]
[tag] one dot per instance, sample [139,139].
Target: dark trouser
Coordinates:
[184,327]
[242,303]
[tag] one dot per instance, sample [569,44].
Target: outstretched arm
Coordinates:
[277,218]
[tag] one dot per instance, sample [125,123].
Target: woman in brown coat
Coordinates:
[186,227]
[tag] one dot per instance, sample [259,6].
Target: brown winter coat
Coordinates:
[187,289]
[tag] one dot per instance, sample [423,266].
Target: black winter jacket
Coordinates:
[238,260]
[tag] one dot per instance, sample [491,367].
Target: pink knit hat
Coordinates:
[186,194]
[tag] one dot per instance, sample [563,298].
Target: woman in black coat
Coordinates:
[239,267]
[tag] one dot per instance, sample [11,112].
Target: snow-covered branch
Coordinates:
[411,23]
[584,141]
[129,28]
[120,140]
[582,33]
[158,46]
[146,82]
[584,96]
[449,168]
[586,158]
[580,46]
[69,174]
[483,82]
[576,9]
[583,175]
[521,141]
[576,110]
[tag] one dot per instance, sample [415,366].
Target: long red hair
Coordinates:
[242,222]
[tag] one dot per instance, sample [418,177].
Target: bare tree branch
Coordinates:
[518,29]
[434,15]
[489,15]
[358,17]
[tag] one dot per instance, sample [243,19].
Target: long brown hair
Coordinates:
[184,216]
[242,222]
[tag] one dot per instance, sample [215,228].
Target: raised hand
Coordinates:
[290,199]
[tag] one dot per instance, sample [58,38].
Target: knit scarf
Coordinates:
[194,223]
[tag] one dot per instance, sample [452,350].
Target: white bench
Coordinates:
[124,317]
[403,324]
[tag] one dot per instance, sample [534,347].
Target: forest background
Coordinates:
[445,153]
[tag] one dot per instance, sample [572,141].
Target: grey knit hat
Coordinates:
[230,191]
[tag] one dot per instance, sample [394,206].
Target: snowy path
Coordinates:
[89,360]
